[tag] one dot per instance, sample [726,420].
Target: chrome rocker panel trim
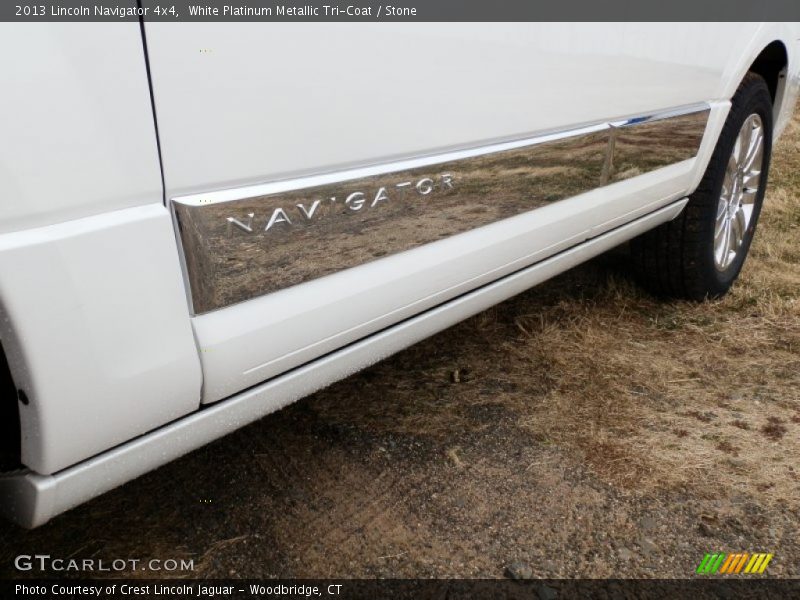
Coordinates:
[243,243]
[31,500]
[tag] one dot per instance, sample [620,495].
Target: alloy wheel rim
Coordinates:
[739,190]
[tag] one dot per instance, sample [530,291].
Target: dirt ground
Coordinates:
[581,429]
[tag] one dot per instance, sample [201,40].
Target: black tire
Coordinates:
[677,258]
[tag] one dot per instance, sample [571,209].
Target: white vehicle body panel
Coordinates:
[78,136]
[111,356]
[94,317]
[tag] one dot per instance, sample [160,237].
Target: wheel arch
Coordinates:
[773,52]
[771,64]
[10,426]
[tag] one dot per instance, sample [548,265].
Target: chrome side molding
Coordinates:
[242,243]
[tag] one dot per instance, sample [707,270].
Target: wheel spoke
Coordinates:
[754,152]
[724,242]
[752,179]
[736,153]
[727,181]
[747,209]
[738,227]
[720,224]
[722,208]
[749,195]
[743,142]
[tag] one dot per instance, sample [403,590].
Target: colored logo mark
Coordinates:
[731,564]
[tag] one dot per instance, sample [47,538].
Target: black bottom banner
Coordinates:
[450,589]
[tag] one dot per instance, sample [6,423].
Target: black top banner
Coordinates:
[400,10]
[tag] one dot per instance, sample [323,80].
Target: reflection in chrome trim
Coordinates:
[242,243]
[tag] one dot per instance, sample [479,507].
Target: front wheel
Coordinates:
[700,253]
